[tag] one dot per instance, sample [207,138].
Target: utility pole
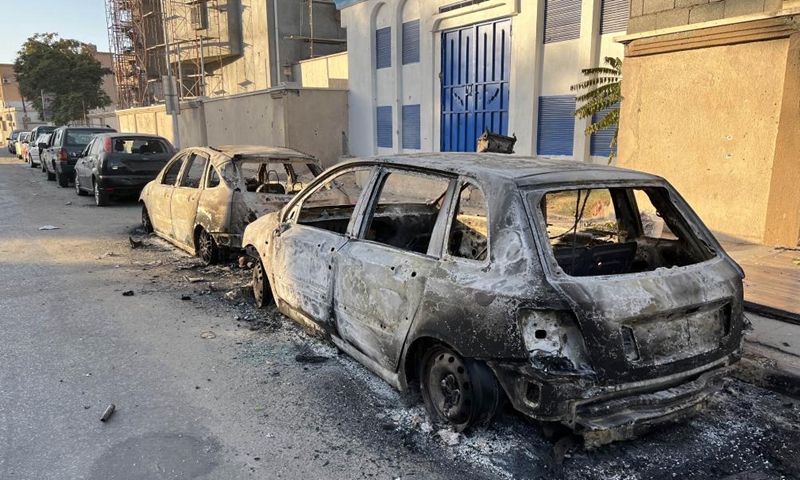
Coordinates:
[170,92]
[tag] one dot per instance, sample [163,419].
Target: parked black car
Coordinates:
[64,149]
[120,164]
[12,141]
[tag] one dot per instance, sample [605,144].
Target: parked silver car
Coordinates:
[586,295]
[205,196]
[35,150]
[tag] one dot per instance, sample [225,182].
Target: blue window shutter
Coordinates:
[411,42]
[411,127]
[385,127]
[556,125]
[562,20]
[600,141]
[383,47]
[614,16]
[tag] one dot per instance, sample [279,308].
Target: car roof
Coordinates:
[224,153]
[130,135]
[521,170]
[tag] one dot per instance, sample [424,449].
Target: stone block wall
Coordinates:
[647,15]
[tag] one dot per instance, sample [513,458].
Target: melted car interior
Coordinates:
[614,231]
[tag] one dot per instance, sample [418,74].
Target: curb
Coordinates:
[769,368]
[771,312]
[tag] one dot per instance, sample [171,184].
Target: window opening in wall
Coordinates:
[384,117]
[411,42]
[562,20]
[457,5]
[383,47]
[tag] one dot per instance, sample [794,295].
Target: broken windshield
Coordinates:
[613,231]
[266,176]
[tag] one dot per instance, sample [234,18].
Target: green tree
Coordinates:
[66,68]
[602,90]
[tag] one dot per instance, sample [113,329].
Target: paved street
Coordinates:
[240,403]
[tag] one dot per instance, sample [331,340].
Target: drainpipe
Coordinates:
[277,45]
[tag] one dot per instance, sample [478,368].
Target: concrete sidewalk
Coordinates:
[772,355]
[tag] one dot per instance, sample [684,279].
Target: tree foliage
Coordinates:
[602,90]
[63,67]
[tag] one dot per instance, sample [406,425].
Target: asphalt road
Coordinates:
[240,405]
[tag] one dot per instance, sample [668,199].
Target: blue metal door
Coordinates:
[476,66]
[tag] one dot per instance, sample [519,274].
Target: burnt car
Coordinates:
[205,196]
[586,295]
[120,165]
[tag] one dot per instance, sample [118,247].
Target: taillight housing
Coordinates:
[107,145]
[554,341]
[62,155]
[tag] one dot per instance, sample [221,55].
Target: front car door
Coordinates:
[185,197]
[160,195]
[304,245]
[381,275]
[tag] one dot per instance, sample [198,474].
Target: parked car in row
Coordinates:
[120,164]
[205,196]
[63,150]
[586,295]
[12,141]
[22,144]
[35,150]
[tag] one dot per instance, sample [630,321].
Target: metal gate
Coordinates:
[476,66]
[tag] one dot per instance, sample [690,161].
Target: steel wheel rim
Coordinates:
[206,246]
[450,388]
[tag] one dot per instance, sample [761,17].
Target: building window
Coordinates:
[556,125]
[385,127]
[411,42]
[614,16]
[562,20]
[600,141]
[411,127]
[383,47]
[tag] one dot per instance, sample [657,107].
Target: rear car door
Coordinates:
[380,276]
[83,167]
[160,196]
[305,243]
[185,197]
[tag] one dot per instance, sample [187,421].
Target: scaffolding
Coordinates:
[138,31]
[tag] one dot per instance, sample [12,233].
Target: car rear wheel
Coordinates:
[50,175]
[458,391]
[78,188]
[207,248]
[41,164]
[62,179]
[30,162]
[100,195]
[261,290]
[147,226]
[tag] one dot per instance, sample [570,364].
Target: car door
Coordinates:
[159,196]
[381,275]
[83,167]
[185,197]
[311,233]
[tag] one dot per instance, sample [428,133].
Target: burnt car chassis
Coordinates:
[607,339]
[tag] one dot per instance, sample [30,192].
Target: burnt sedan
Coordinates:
[205,196]
[120,165]
[589,296]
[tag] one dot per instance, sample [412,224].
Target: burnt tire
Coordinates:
[147,225]
[457,391]
[207,248]
[62,180]
[100,196]
[261,289]
[78,188]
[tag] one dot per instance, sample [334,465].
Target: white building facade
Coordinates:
[432,75]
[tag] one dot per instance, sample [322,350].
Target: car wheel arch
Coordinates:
[414,352]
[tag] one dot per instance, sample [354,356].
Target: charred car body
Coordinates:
[205,196]
[590,296]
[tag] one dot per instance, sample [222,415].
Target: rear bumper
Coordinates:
[603,414]
[124,184]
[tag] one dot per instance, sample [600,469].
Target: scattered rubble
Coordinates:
[108,412]
[208,335]
[136,243]
[127,293]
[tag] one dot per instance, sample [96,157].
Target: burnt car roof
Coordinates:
[523,171]
[245,152]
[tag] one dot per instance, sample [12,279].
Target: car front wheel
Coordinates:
[147,225]
[261,290]
[458,391]
[78,188]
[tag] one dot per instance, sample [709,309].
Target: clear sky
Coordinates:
[83,20]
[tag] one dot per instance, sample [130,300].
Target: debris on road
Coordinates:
[449,437]
[127,293]
[310,358]
[48,227]
[107,413]
[185,297]
[194,279]
[136,243]
[68,203]
[208,335]
[245,263]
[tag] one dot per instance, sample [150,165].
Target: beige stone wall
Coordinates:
[322,72]
[647,15]
[707,120]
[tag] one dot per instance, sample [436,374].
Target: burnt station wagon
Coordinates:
[587,295]
[205,196]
